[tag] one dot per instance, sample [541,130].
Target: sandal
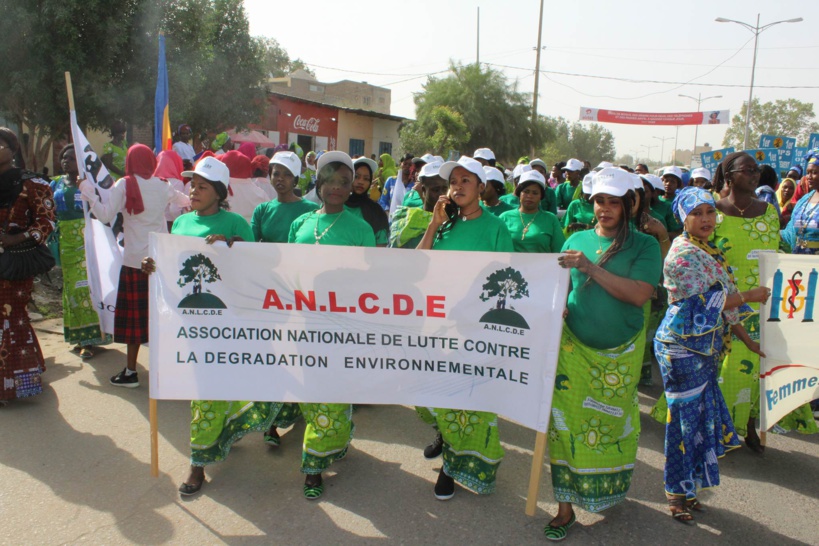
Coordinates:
[559,532]
[680,510]
[76,348]
[695,505]
[312,491]
[87,352]
[272,438]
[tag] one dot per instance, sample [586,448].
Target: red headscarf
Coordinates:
[261,163]
[139,161]
[248,149]
[168,165]
[238,164]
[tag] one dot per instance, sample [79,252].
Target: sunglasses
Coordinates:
[753,170]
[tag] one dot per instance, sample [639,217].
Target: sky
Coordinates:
[400,44]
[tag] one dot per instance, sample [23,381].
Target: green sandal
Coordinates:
[560,532]
[272,439]
[312,492]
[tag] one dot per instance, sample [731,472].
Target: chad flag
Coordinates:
[162,120]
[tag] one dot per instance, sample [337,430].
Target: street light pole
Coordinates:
[648,151]
[699,100]
[757,30]
[662,149]
[537,75]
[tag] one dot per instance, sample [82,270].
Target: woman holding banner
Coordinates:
[215,424]
[595,416]
[271,224]
[705,306]
[471,453]
[81,324]
[329,426]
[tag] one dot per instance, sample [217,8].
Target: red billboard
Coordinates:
[709,117]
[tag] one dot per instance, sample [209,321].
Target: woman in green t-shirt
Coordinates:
[595,416]
[580,212]
[215,424]
[362,205]
[471,455]
[332,224]
[271,221]
[532,229]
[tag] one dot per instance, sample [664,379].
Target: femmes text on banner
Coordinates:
[712,117]
[311,323]
[789,375]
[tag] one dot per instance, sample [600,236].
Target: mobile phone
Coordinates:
[450,208]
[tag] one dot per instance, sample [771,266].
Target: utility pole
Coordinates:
[479,38]
[537,76]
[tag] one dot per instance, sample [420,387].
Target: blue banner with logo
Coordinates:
[766,156]
[798,158]
[711,159]
[786,147]
[813,141]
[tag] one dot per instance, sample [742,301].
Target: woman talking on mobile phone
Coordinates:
[460,223]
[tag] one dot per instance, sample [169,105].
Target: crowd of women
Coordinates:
[645,252]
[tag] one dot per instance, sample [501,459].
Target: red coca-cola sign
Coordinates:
[306,124]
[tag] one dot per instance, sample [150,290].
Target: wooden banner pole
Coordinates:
[534,476]
[154,437]
[70,90]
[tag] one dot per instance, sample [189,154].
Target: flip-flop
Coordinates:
[312,492]
[86,353]
[695,505]
[187,489]
[561,531]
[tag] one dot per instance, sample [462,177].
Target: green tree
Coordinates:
[450,133]
[784,117]
[592,143]
[276,61]
[496,114]
[198,269]
[504,284]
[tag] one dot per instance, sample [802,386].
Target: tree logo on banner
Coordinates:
[199,270]
[505,285]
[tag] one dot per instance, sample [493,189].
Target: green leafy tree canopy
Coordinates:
[592,143]
[784,117]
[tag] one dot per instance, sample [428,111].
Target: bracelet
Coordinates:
[741,298]
[27,235]
[665,240]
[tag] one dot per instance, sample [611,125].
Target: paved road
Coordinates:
[74,468]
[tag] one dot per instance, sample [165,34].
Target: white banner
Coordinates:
[307,323]
[789,376]
[103,254]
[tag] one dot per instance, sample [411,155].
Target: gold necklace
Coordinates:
[526,226]
[323,233]
[742,211]
[599,243]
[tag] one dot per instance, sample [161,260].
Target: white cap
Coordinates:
[334,157]
[484,153]
[604,165]
[533,176]
[426,158]
[701,172]
[431,169]
[674,170]
[210,169]
[437,158]
[573,165]
[520,169]
[637,181]
[365,161]
[539,162]
[492,173]
[587,183]
[467,163]
[655,181]
[289,160]
[612,181]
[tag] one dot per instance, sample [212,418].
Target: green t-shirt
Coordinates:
[340,229]
[580,211]
[118,154]
[598,319]
[543,232]
[381,236]
[498,209]
[412,199]
[547,204]
[271,220]
[663,208]
[565,194]
[223,222]
[486,233]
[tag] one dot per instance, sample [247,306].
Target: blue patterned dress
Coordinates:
[690,344]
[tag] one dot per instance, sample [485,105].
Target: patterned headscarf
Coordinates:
[219,141]
[810,158]
[689,198]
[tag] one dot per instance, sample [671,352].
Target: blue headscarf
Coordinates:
[689,198]
[798,169]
